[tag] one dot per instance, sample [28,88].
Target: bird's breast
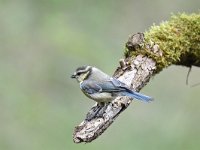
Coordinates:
[100,97]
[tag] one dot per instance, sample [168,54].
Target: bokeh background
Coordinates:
[42,43]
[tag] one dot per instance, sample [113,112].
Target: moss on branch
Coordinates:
[177,42]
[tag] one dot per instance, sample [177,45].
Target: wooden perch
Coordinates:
[174,42]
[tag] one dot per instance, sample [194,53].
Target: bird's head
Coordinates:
[82,73]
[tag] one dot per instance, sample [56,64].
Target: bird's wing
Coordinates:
[111,85]
[118,83]
[90,87]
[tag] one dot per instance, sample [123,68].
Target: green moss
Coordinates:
[178,38]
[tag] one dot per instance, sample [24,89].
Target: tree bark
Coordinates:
[174,42]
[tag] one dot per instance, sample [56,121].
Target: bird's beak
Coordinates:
[73,76]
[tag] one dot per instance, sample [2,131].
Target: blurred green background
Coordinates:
[42,43]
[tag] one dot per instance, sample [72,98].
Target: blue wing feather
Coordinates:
[90,88]
[128,92]
[112,86]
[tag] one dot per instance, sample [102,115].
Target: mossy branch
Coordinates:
[176,41]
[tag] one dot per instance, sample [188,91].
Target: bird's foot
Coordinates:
[96,111]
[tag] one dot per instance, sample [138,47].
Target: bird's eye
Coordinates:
[78,73]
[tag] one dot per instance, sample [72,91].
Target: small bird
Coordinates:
[102,88]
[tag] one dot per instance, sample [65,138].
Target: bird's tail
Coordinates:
[138,96]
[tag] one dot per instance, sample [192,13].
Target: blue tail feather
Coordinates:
[138,96]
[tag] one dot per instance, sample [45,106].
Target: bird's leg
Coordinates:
[101,104]
[99,107]
[102,108]
[96,111]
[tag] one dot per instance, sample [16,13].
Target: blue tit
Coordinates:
[102,88]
